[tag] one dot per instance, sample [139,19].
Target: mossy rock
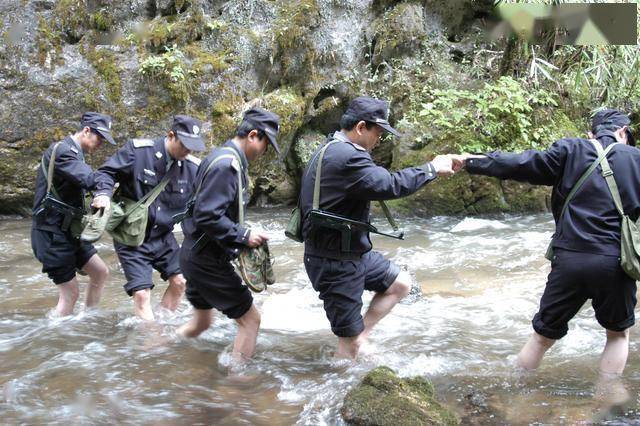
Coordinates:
[304,147]
[399,31]
[383,398]
[105,62]
[295,49]
[180,30]
[290,107]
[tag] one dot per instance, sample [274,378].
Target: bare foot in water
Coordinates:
[611,397]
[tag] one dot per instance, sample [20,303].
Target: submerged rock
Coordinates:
[383,398]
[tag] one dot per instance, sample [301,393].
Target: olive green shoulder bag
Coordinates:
[629,235]
[128,222]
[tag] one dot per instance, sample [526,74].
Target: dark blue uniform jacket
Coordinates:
[139,166]
[591,223]
[72,178]
[350,180]
[215,212]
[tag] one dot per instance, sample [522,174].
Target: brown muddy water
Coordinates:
[481,280]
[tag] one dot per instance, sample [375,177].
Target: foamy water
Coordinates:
[481,279]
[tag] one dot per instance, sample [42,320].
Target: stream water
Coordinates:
[481,279]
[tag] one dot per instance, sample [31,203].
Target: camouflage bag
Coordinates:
[256,267]
[254,264]
[95,224]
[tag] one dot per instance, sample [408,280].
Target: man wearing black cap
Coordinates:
[57,206]
[586,243]
[349,181]
[139,166]
[214,220]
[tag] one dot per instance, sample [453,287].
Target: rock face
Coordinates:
[143,61]
[383,398]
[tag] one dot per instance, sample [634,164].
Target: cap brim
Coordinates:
[192,143]
[107,136]
[388,128]
[272,141]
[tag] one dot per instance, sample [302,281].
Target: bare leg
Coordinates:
[611,394]
[616,350]
[200,321]
[244,346]
[174,292]
[348,347]
[382,303]
[67,297]
[531,354]
[98,275]
[380,306]
[142,304]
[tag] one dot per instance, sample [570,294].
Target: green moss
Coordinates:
[71,17]
[69,21]
[383,398]
[180,29]
[49,43]
[290,106]
[294,45]
[224,114]
[90,98]
[401,27]
[173,70]
[101,20]
[105,63]
[157,108]
[304,148]
[204,61]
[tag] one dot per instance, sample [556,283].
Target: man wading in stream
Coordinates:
[341,266]
[586,243]
[214,235]
[58,207]
[143,166]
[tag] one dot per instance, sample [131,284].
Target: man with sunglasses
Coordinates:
[139,166]
[349,181]
[57,204]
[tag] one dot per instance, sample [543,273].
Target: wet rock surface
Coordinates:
[383,398]
[144,61]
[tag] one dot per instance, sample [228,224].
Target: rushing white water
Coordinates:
[481,280]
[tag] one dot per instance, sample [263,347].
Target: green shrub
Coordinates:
[171,69]
[501,115]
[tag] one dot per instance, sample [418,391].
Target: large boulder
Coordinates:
[383,398]
[144,61]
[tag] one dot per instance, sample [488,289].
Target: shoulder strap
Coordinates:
[607,173]
[151,196]
[148,198]
[601,154]
[209,167]
[316,186]
[387,214]
[240,188]
[234,156]
[48,172]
